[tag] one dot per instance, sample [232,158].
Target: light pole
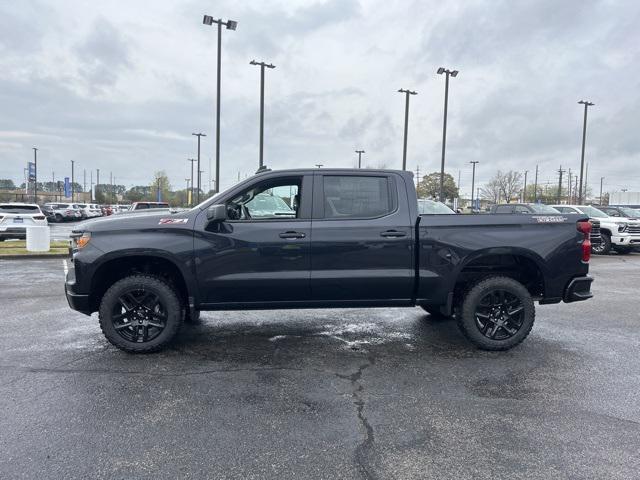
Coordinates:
[360,152]
[535,187]
[524,190]
[473,180]
[601,180]
[319,165]
[192,160]
[35,174]
[586,104]
[231,25]
[262,66]
[453,73]
[198,159]
[406,125]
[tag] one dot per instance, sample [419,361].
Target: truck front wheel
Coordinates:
[604,247]
[140,314]
[497,313]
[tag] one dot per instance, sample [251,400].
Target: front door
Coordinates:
[261,253]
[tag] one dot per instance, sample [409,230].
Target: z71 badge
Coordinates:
[172,221]
[550,219]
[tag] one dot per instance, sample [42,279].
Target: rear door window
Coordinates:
[504,209]
[352,196]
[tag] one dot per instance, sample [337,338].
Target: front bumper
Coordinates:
[626,240]
[579,289]
[77,301]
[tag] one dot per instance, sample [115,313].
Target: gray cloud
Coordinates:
[122,89]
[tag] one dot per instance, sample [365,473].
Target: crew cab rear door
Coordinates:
[362,238]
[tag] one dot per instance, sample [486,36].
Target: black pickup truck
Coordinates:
[323,238]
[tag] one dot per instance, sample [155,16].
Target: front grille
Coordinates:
[595,232]
[634,228]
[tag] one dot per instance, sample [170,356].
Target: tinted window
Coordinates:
[503,209]
[8,208]
[356,197]
[541,208]
[521,209]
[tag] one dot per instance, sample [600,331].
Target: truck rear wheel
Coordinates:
[497,313]
[140,314]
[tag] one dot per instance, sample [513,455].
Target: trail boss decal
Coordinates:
[550,219]
[172,221]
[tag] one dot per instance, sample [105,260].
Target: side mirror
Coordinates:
[217,213]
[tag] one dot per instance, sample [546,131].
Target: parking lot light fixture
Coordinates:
[198,159]
[448,73]
[360,152]
[406,124]
[262,66]
[586,104]
[230,25]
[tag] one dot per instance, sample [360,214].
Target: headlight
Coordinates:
[622,227]
[81,241]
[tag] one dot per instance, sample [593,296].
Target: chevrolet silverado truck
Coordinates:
[334,238]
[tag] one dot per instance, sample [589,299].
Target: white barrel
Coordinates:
[38,238]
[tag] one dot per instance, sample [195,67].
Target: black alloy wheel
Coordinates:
[499,315]
[139,315]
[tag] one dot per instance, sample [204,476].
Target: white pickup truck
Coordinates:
[619,233]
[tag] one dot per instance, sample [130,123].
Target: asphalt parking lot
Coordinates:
[388,393]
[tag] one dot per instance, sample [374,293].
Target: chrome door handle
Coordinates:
[393,234]
[291,235]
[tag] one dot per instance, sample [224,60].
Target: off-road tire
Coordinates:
[158,287]
[466,318]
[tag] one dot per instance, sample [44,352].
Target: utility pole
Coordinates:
[360,152]
[111,187]
[35,175]
[217,164]
[473,180]
[535,188]
[230,25]
[319,165]
[262,66]
[448,73]
[91,185]
[187,192]
[569,186]
[97,181]
[406,124]
[192,160]
[560,171]
[586,104]
[72,178]
[524,191]
[84,181]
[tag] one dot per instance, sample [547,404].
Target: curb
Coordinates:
[34,256]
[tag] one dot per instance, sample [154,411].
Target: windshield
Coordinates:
[628,212]
[9,208]
[593,212]
[429,207]
[540,208]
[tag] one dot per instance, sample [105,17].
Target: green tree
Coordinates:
[429,186]
[7,184]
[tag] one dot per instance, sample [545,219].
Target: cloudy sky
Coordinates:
[121,85]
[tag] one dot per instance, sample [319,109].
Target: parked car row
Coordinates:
[614,228]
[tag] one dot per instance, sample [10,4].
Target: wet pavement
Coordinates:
[372,393]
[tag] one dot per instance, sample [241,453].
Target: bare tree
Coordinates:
[509,184]
[491,191]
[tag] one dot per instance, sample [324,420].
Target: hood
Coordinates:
[134,221]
